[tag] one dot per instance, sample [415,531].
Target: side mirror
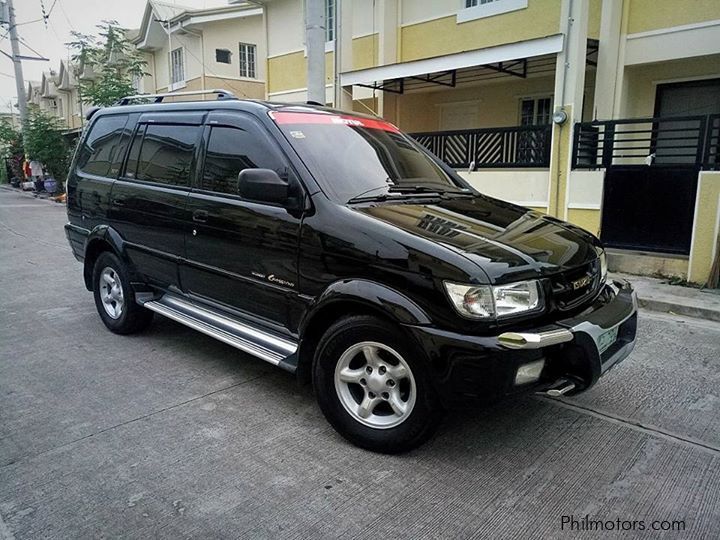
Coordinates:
[262,185]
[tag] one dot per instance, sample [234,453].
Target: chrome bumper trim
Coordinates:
[530,340]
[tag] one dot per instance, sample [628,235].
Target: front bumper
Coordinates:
[579,349]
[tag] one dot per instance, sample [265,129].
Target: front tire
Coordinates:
[115,297]
[372,385]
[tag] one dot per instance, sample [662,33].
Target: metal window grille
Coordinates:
[247,60]
[473,3]
[177,66]
[329,20]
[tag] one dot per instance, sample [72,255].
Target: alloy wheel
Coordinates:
[111,292]
[375,385]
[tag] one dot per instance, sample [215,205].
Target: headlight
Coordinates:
[603,264]
[485,301]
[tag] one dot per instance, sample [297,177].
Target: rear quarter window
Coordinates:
[104,147]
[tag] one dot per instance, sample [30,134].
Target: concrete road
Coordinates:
[170,434]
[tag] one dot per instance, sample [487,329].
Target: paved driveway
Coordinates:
[170,434]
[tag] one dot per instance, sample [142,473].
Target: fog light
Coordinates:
[528,373]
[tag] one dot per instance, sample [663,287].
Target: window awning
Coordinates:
[489,55]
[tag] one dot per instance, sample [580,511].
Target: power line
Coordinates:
[43,18]
[28,46]
[62,10]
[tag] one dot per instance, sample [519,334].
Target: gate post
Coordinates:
[608,145]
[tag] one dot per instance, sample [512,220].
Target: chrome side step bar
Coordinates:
[269,347]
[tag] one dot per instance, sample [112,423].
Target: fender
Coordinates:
[107,236]
[372,294]
[375,296]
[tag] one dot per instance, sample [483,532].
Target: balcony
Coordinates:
[491,148]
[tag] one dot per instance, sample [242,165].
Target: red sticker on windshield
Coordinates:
[336,119]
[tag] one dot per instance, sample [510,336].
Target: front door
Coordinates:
[676,141]
[240,254]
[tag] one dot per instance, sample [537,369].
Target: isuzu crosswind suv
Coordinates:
[337,248]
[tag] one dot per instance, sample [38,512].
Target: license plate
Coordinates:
[607,339]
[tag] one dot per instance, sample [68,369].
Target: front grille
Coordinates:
[573,287]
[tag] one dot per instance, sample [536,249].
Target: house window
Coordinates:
[329,20]
[479,9]
[222,56]
[247,60]
[535,111]
[177,66]
[473,3]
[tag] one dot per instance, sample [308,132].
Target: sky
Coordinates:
[66,16]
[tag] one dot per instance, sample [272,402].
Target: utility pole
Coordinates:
[17,62]
[315,41]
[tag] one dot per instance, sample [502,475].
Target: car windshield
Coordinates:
[357,158]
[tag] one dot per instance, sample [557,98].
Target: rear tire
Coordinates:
[372,385]
[115,296]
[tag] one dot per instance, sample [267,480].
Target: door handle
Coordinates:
[201,216]
[118,202]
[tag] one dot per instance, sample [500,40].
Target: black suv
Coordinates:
[335,247]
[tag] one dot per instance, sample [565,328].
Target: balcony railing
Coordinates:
[505,147]
[661,141]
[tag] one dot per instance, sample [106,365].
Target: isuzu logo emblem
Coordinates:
[580,283]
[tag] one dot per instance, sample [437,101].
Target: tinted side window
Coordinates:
[103,146]
[230,150]
[164,154]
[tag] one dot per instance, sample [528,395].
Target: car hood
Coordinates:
[508,242]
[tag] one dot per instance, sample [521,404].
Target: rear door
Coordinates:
[99,161]
[148,202]
[240,254]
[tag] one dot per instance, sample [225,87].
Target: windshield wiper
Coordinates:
[396,191]
[425,189]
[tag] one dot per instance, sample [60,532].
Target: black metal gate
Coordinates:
[651,176]
[649,208]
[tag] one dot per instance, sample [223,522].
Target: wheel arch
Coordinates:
[102,238]
[351,297]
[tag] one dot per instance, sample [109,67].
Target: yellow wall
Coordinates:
[705,233]
[640,81]
[241,88]
[365,51]
[594,16]
[445,35]
[289,71]
[498,103]
[366,106]
[559,173]
[585,218]
[645,15]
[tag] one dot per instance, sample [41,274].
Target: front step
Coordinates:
[269,347]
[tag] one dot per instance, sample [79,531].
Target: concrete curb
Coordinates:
[663,306]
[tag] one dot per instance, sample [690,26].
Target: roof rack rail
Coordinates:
[158,98]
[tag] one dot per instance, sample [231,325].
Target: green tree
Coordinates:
[45,142]
[11,147]
[113,60]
